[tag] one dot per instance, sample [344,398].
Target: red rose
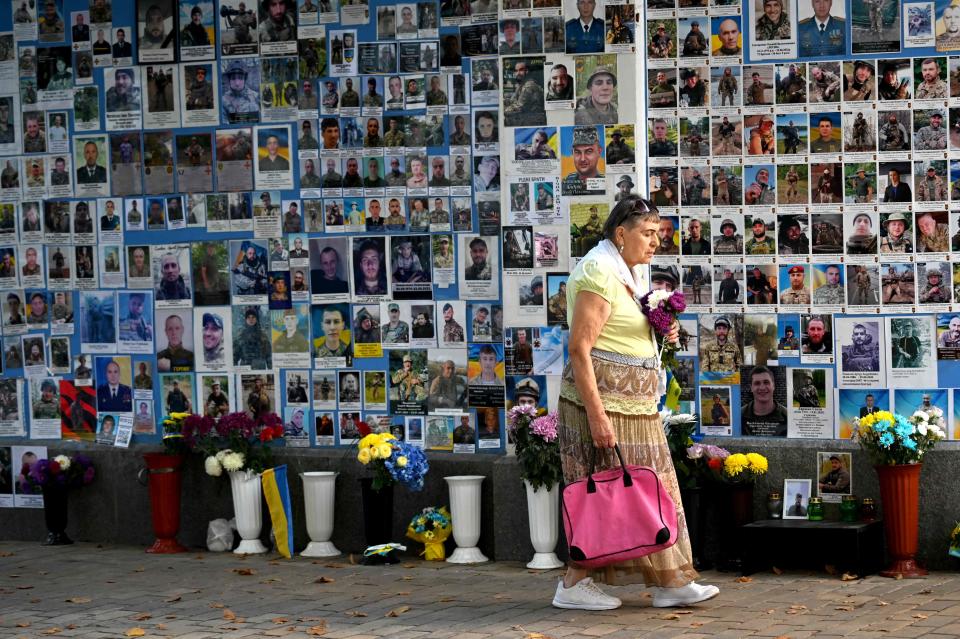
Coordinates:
[278,431]
[715,464]
[54,467]
[266,435]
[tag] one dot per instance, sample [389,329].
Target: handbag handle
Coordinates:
[627,479]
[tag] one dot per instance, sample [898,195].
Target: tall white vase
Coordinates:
[543,512]
[319,490]
[247,498]
[465,512]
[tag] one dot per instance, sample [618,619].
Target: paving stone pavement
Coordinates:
[100,592]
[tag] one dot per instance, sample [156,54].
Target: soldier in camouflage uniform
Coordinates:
[660,146]
[729,243]
[252,347]
[893,135]
[693,189]
[694,44]
[524,106]
[896,241]
[806,394]
[932,237]
[830,293]
[721,356]
[797,293]
[823,85]
[200,92]
[859,133]
[123,96]
[863,354]
[277,23]
[242,23]
[48,406]
[934,291]
[590,109]
[756,92]
[774,24]
[931,188]
[481,325]
[239,99]
[875,8]
[727,86]
[932,137]
[932,87]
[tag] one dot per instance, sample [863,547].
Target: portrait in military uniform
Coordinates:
[760,185]
[44,398]
[721,348]
[763,401]
[715,408]
[792,134]
[695,185]
[826,183]
[774,22]
[875,26]
[98,314]
[758,85]
[156,31]
[910,342]
[795,284]
[523,92]
[809,388]
[278,22]
[728,284]
[726,135]
[694,137]
[792,184]
[822,28]
[898,283]
[239,90]
[859,341]
[860,131]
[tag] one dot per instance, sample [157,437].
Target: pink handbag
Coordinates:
[618,514]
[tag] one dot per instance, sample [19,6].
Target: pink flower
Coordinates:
[677,302]
[545,427]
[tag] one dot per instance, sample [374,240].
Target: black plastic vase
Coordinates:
[377,512]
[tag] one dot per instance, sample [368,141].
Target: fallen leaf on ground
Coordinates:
[24,587]
[409,565]
[23,624]
[849,577]
[883,603]
[229,615]
[406,578]
[926,591]
[696,624]
[396,612]
[246,572]
[270,580]
[355,613]
[280,620]
[844,608]
[6,554]
[744,580]
[79,600]
[140,569]
[175,599]
[143,616]
[919,616]
[671,617]
[52,631]
[537,635]
[319,629]
[446,599]
[136,632]
[501,596]
[216,605]
[324,580]
[161,626]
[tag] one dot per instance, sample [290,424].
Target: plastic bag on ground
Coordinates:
[220,535]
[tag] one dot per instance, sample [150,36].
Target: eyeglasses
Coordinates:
[639,207]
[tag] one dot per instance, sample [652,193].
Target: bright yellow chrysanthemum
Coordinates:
[179,415]
[758,463]
[370,440]
[735,464]
[385,437]
[384,450]
[401,461]
[364,456]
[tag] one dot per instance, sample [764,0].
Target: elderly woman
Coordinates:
[609,394]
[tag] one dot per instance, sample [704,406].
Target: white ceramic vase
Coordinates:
[319,490]
[465,512]
[247,498]
[543,513]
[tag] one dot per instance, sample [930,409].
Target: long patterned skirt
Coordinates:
[629,395]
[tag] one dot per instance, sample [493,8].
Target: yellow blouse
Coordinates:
[627,330]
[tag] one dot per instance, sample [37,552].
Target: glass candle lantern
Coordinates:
[775,506]
[815,509]
[868,509]
[849,509]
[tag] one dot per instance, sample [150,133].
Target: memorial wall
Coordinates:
[368,211]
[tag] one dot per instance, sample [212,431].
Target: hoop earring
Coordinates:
[620,248]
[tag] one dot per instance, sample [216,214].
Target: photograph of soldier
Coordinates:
[695,234]
[792,135]
[726,39]
[693,41]
[278,21]
[720,347]
[693,140]
[895,79]
[931,181]
[157,34]
[808,388]
[792,183]
[696,185]
[523,92]
[727,185]
[896,233]
[859,132]
[448,382]
[859,183]
[662,38]
[726,135]
[947,28]
[584,33]
[876,26]
[240,84]
[894,189]
[663,186]
[726,240]
[774,21]
[934,285]
[930,130]
[827,136]
[899,283]
[948,341]
[798,289]
[761,241]
[861,350]
[758,85]
[762,397]
[863,285]
[662,134]
[826,183]
[597,96]
[694,91]
[760,190]
[724,86]
[894,133]
[251,340]
[909,342]
[824,32]
[827,233]
[817,334]
[859,81]
[824,83]
[715,406]
[932,232]
[791,82]
[827,284]
[727,281]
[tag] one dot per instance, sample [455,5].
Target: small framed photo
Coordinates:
[796,496]
[834,475]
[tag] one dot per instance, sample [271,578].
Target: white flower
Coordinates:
[696,451]
[212,466]
[64,462]
[223,453]
[232,461]
[923,415]
[656,297]
[922,429]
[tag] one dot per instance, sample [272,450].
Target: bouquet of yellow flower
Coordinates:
[895,439]
[392,460]
[740,468]
[431,528]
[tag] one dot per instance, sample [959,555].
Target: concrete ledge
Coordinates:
[116,508]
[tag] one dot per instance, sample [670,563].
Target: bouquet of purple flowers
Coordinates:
[63,471]
[662,308]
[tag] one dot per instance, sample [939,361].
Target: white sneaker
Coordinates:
[687,595]
[584,595]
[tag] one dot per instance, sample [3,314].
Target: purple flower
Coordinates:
[661,320]
[677,302]
[545,427]
[88,475]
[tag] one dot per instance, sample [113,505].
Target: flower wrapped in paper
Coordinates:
[431,527]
